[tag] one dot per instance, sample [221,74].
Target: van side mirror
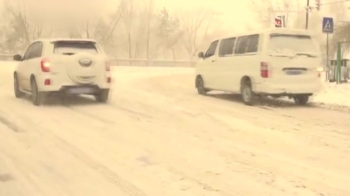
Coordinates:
[201,55]
[17,57]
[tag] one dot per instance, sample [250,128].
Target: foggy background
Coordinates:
[154,29]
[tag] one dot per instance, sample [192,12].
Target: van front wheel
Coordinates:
[200,86]
[247,93]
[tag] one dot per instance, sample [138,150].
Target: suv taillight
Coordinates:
[108,66]
[45,65]
[264,70]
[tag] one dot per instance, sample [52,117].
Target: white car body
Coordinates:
[278,62]
[72,66]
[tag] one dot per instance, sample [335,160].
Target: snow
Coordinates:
[333,94]
[158,137]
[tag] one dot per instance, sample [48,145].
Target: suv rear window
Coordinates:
[72,47]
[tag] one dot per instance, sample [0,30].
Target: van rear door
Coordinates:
[293,59]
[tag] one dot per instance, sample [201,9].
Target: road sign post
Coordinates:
[338,72]
[328,28]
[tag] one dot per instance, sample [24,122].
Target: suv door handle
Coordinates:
[213,61]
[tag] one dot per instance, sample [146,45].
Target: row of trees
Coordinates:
[132,29]
[136,29]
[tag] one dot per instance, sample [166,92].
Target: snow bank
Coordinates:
[334,94]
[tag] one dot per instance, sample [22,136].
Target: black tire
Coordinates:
[200,86]
[37,97]
[18,92]
[301,99]
[248,96]
[103,96]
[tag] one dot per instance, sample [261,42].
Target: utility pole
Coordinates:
[307,14]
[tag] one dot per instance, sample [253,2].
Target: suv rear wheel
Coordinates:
[301,99]
[37,97]
[102,96]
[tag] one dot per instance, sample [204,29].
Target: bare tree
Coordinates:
[149,17]
[105,29]
[342,27]
[266,9]
[195,27]
[20,31]
[168,32]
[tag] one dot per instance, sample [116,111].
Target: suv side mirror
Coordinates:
[17,57]
[201,55]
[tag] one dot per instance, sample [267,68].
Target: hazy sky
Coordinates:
[235,14]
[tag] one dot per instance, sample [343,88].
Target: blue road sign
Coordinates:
[327,25]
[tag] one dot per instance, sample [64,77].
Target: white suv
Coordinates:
[268,62]
[64,66]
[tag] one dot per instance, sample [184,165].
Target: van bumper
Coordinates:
[287,89]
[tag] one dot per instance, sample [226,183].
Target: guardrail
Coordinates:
[6,57]
[132,62]
[152,63]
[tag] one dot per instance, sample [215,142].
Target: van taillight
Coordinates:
[264,70]
[45,65]
[108,66]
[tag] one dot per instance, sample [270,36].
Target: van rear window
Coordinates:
[72,47]
[295,43]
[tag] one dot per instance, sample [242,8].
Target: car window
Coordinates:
[211,50]
[36,50]
[226,46]
[253,42]
[27,54]
[72,47]
[241,45]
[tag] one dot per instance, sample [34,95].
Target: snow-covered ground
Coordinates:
[157,137]
[334,94]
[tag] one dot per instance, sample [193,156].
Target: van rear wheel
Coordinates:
[301,99]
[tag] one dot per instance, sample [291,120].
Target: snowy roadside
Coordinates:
[334,96]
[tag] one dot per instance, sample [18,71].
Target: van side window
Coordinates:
[241,45]
[226,46]
[211,50]
[253,42]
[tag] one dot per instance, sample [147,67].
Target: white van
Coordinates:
[275,62]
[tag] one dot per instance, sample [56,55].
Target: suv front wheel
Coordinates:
[18,92]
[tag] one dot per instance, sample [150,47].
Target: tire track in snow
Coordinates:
[10,125]
[127,187]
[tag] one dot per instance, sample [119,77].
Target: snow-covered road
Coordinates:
[157,137]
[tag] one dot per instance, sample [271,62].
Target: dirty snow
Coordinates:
[335,94]
[157,137]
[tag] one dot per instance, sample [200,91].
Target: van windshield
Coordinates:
[292,44]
